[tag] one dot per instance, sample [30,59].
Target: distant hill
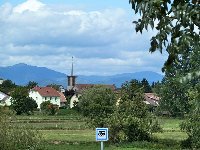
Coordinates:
[22,73]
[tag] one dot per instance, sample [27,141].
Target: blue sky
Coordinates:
[98,34]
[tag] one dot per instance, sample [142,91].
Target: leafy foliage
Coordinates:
[177,26]
[31,84]
[132,121]
[48,108]
[17,138]
[7,86]
[178,31]
[21,102]
[192,124]
[55,86]
[174,98]
[97,103]
[146,86]
[174,92]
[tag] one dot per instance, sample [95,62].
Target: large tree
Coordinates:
[146,86]
[177,28]
[31,84]
[132,120]
[21,102]
[178,32]
[97,103]
[7,86]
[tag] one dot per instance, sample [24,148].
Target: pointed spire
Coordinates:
[72,71]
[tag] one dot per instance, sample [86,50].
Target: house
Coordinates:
[1,81]
[151,99]
[41,94]
[63,100]
[5,100]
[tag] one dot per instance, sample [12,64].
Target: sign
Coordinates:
[101,134]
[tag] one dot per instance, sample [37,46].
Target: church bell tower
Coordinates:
[71,78]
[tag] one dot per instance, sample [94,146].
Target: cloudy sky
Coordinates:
[98,34]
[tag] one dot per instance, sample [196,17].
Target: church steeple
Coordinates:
[71,78]
[72,71]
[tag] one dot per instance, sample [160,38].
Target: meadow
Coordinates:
[68,131]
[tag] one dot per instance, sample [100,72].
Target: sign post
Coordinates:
[102,135]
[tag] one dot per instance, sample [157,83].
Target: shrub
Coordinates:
[21,102]
[17,138]
[132,121]
[192,124]
[97,104]
[48,108]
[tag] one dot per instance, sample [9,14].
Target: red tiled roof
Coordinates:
[152,99]
[152,96]
[81,87]
[47,91]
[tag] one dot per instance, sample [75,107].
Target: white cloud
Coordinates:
[103,41]
[30,5]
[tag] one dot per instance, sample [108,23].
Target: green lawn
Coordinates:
[70,132]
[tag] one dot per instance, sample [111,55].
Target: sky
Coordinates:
[98,34]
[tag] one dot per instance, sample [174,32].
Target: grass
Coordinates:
[70,132]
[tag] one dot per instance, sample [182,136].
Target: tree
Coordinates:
[48,108]
[178,31]
[31,84]
[147,87]
[55,86]
[21,102]
[97,103]
[174,93]
[174,98]
[192,123]
[177,27]
[132,121]
[7,86]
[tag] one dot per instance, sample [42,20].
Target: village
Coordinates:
[109,75]
[68,97]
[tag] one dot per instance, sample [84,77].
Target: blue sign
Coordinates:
[101,134]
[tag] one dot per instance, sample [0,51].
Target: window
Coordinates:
[45,98]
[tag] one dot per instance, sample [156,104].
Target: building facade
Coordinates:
[42,94]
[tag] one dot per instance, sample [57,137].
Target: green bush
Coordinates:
[97,104]
[17,138]
[132,121]
[48,108]
[192,124]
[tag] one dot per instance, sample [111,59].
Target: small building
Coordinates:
[41,94]
[1,81]
[5,100]
[151,99]
[63,101]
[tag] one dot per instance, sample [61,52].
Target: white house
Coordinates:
[5,100]
[41,94]
[1,80]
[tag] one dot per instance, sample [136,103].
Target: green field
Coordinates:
[70,132]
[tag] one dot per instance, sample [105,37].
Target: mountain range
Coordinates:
[22,73]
